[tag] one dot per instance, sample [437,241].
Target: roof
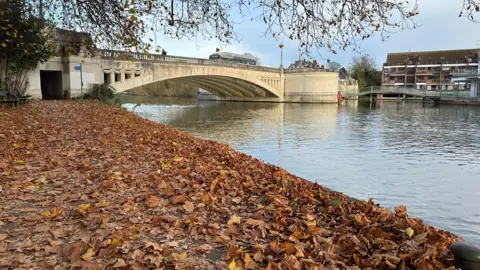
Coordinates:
[232,55]
[433,57]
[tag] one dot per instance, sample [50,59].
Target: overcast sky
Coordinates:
[440,29]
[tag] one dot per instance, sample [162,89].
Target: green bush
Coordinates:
[100,92]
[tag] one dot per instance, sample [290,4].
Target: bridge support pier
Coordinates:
[371,98]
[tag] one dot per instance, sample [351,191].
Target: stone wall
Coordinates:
[319,87]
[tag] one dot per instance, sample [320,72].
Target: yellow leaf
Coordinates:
[249,263]
[234,220]
[16,145]
[102,204]
[136,236]
[116,242]
[19,161]
[180,257]
[233,266]
[42,180]
[178,159]
[55,212]
[85,207]
[4,45]
[409,232]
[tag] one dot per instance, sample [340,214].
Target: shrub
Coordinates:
[16,83]
[100,92]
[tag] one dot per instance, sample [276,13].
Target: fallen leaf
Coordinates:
[153,201]
[234,220]
[119,263]
[55,212]
[87,256]
[188,206]
[409,232]
[84,207]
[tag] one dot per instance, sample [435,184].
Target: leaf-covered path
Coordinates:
[87,185]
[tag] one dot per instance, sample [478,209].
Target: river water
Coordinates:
[424,157]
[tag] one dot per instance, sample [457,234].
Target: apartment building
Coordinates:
[433,70]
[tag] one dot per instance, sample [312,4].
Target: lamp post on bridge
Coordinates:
[281,55]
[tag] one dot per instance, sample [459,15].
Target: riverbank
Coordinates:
[93,185]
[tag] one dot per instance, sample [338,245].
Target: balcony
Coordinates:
[424,72]
[397,72]
[465,72]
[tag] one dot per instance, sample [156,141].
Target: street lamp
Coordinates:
[281,55]
[299,54]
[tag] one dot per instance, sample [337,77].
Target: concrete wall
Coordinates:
[311,87]
[70,83]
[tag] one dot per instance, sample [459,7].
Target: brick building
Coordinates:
[433,70]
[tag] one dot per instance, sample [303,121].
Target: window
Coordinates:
[118,77]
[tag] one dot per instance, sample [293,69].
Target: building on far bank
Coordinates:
[433,70]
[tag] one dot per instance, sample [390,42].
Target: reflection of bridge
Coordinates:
[243,122]
[125,71]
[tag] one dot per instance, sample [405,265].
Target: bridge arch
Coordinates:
[224,81]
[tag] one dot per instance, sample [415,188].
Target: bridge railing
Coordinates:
[302,70]
[132,56]
[417,92]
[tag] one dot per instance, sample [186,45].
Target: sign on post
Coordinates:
[78,68]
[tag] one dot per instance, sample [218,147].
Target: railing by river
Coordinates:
[133,56]
[438,94]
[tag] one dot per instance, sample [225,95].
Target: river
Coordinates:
[424,157]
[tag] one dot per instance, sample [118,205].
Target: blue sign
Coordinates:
[78,68]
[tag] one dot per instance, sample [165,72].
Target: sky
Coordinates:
[440,29]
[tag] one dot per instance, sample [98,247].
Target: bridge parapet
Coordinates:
[158,58]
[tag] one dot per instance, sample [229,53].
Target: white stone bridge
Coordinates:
[127,71]
[61,77]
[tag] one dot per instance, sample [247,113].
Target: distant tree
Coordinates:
[333,66]
[364,70]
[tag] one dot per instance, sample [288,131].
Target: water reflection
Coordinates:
[425,157]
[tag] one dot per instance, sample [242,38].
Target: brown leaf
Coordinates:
[206,199]
[119,263]
[188,206]
[180,199]
[258,256]
[153,201]
[291,262]
[254,222]
[87,256]
[290,248]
